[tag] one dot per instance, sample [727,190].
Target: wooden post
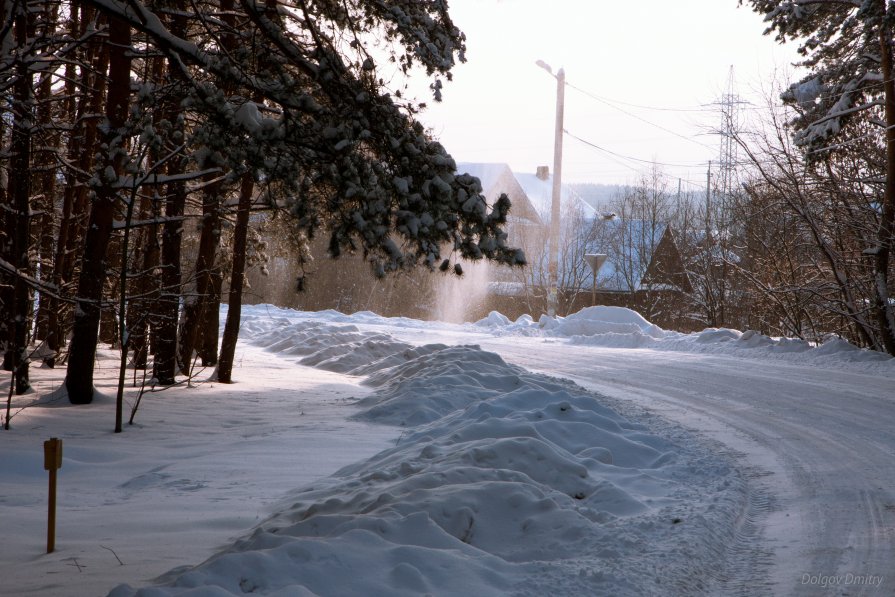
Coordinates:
[52,463]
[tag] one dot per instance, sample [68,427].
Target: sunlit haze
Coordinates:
[644,80]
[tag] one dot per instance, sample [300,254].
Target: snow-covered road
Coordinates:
[819,444]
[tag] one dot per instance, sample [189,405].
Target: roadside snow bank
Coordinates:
[613,327]
[601,321]
[618,327]
[752,344]
[505,482]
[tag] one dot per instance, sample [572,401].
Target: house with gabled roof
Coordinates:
[531,194]
[643,267]
[498,179]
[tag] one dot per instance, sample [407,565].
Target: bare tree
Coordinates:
[808,224]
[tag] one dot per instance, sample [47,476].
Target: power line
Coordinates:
[622,110]
[626,157]
[712,107]
[606,100]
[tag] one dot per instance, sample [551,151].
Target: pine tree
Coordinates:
[342,153]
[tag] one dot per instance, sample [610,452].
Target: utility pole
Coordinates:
[707,247]
[555,204]
[708,204]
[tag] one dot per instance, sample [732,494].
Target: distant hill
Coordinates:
[604,197]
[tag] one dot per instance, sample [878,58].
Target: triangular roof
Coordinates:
[491,175]
[531,195]
[631,246]
[497,178]
[598,195]
[540,194]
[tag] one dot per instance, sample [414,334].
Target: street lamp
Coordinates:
[553,254]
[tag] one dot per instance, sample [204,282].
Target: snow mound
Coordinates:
[635,339]
[334,347]
[615,327]
[355,357]
[602,326]
[547,323]
[749,339]
[494,319]
[710,335]
[835,351]
[439,381]
[840,349]
[592,321]
[499,324]
[618,327]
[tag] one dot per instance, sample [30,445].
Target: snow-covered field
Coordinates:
[359,455]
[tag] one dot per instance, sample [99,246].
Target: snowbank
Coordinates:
[504,482]
[601,321]
[494,319]
[618,327]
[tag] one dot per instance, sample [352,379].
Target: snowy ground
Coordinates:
[719,462]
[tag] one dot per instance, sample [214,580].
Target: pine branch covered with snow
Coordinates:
[840,42]
[322,126]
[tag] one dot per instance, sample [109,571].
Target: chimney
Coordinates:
[543,172]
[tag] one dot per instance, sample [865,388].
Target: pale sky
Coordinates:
[500,107]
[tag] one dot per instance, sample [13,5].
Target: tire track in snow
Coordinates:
[824,435]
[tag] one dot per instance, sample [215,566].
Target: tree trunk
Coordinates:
[885,311]
[108,321]
[199,331]
[207,345]
[234,307]
[20,192]
[146,284]
[84,114]
[7,284]
[168,305]
[145,262]
[7,217]
[164,324]
[45,235]
[194,308]
[79,375]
